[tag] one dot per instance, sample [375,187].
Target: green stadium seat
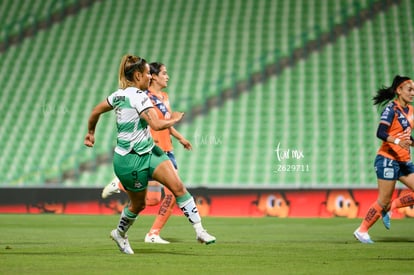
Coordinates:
[321,105]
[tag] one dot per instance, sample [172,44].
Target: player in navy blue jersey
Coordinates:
[393,160]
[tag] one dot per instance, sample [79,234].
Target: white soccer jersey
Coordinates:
[133,132]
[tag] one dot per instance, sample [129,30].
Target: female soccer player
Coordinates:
[136,157]
[159,98]
[393,160]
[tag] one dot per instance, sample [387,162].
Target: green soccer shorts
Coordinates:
[134,170]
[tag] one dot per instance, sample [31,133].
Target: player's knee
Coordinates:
[153,201]
[137,207]
[153,197]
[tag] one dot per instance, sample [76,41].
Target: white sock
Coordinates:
[126,220]
[190,210]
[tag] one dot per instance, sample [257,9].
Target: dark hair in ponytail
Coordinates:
[386,94]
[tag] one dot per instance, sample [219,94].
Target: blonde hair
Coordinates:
[129,64]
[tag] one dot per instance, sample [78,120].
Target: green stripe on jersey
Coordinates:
[124,144]
[144,146]
[122,102]
[127,127]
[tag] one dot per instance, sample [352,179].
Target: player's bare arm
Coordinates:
[99,109]
[177,135]
[150,116]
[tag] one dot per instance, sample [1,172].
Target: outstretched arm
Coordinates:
[99,109]
[150,116]
[187,145]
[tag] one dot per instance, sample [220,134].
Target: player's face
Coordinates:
[162,78]
[144,78]
[407,92]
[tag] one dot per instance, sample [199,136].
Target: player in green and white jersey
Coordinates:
[136,157]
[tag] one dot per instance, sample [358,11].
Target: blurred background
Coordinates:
[277,94]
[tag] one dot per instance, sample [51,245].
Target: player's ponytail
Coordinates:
[386,94]
[129,64]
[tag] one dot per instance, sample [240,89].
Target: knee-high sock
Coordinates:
[189,208]
[403,201]
[126,220]
[374,212]
[164,213]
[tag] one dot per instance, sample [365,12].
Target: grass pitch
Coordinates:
[80,244]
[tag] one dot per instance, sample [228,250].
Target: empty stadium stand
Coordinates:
[308,124]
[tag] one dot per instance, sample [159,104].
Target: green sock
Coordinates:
[183,199]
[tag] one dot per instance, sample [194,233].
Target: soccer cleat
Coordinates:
[204,237]
[111,188]
[122,242]
[386,219]
[362,237]
[155,239]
